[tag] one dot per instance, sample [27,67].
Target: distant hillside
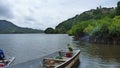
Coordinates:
[8,27]
[95,14]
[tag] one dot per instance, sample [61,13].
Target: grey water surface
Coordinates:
[26,47]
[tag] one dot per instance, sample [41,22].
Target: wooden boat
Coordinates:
[6,62]
[64,60]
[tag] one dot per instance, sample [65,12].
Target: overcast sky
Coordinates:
[40,14]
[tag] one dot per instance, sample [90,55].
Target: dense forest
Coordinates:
[102,25]
[93,14]
[104,28]
[8,27]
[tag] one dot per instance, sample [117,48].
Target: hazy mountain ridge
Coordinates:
[9,27]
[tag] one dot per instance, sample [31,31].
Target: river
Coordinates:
[27,47]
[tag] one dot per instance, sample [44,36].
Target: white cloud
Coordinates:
[41,14]
[5,10]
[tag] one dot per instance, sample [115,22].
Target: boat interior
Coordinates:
[59,58]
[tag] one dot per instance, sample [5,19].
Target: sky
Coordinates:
[41,14]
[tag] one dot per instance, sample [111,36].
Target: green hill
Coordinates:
[100,25]
[8,27]
[95,14]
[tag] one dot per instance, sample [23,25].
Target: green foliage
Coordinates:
[85,16]
[101,28]
[78,29]
[70,32]
[49,30]
[114,28]
[106,28]
[92,27]
[118,8]
[66,25]
[89,29]
[97,11]
[100,24]
[93,14]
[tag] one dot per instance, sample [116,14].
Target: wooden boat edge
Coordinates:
[11,60]
[64,64]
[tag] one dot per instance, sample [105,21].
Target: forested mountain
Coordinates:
[101,25]
[8,27]
[95,14]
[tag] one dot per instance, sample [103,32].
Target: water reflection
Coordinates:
[99,56]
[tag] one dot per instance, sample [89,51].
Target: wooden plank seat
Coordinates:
[52,62]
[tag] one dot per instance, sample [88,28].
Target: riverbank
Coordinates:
[98,40]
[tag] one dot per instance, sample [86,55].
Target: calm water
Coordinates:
[99,56]
[27,47]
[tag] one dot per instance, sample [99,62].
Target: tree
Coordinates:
[118,8]
[89,29]
[49,30]
[114,29]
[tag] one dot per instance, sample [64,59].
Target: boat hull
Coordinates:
[71,62]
